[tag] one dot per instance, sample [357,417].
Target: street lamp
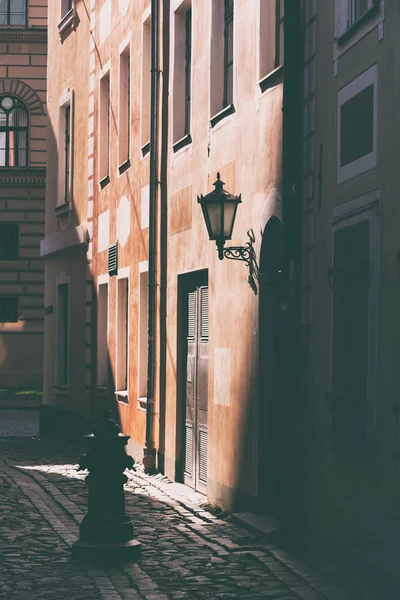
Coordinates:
[219,211]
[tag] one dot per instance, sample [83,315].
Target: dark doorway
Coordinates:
[271,408]
[193,378]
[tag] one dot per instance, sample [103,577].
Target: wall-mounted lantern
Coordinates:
[219,211]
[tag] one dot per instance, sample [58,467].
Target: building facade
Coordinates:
[23,126]
[351,275]
[140,313]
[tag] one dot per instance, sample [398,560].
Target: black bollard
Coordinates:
[106,532]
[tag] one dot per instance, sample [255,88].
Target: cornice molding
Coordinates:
[23,35]
[34,176]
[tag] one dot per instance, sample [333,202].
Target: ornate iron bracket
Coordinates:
[245,254]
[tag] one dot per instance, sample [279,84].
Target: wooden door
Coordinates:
[196,396]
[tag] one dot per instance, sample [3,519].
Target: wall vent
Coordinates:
[113,259]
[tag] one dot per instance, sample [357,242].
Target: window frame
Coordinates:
[182,75]
[352,18]
[63,381]
[7,129]
[145,78]
[102,332]
[346,93]
[188,69]
[8,24]
[350,213]
[65,150]
[143,281]
[124,106]
[346,35]
[121,394]
[227,98]
[104,125]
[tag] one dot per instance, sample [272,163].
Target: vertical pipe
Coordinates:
[149,451]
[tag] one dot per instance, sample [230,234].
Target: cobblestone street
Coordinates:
[186,551]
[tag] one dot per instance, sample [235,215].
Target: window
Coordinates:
[357,125]
[350,13]
[228,54]
[122,337]
[354,276]
[357,8]
[145,107]
[188,68]
[124,124]
[13,132]
[62,334]
[271,36]
[143,331]
[8,309]
[182,74]
[104,128]
[65,147]
[222,65]
[66,6]
[9,241]
[102,337]
[12,12]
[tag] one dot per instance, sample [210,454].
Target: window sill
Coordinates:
[68,21]
[124,166]
[185,141]
[357,24]
[61,389]
[122,396]
[102,390]
[104,182]
[145,149]
[63,209]
[225,112]
[273,78]
[142,403]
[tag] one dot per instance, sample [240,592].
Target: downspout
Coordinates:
[292,214]
[149,449]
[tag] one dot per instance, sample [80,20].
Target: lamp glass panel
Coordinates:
[214,216]
[229,218]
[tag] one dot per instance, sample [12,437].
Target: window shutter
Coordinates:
[204,314]
[191,314]
[203,443]
[341,17]
[189,450]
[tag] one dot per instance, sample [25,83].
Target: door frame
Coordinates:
[269,398]
[186,281]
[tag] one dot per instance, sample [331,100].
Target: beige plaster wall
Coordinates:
[246,148]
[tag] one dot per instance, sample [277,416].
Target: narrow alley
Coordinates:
[187,552]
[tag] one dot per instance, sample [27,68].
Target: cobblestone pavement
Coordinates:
[186,551]
[20,423]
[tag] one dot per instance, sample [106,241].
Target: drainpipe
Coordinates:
[149,449]
[292,215]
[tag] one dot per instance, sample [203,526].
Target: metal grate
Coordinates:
[191,314]
[113,259]
[204,313]
[189,450]
[203,438]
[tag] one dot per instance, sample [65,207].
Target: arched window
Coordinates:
[13,132]
[12,12]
